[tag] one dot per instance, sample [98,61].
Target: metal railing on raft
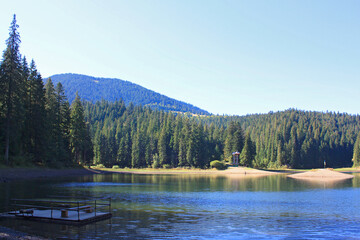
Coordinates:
[59,205]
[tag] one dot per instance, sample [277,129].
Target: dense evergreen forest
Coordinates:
[136,136]
[39,127]
[300,139]
[95,89]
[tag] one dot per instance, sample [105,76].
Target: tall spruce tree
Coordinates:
[356,152]
[35,120]
[248,152]
[53,132]
[234,140]
[11,92]
[63,122]
[80,140]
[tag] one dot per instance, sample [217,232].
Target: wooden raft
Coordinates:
[64,212]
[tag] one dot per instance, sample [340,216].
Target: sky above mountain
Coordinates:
[227,57]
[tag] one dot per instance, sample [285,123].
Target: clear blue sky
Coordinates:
[227,57]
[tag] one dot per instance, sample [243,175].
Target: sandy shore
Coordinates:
[231,171]
[11,174]
[321,175]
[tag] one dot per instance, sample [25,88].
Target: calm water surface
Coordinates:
[200,207]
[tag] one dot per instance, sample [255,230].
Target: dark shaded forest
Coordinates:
[40,127]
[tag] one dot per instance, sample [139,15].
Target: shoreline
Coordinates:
[323,175]
[10,234]
[231,171]
[16,174]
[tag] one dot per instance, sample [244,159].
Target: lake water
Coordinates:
[200,207]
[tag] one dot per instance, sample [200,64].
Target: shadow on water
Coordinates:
[199,206]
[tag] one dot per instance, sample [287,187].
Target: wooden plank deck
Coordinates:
[72,219]
[61,211]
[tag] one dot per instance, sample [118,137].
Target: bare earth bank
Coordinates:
[321,175]
[11,174]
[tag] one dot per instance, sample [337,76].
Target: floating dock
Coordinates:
[62,212]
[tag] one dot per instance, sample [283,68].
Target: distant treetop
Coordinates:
[95,89]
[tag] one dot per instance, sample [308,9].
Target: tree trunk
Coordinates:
[7,143]
[8,122]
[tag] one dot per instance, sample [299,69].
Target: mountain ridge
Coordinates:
[95,89]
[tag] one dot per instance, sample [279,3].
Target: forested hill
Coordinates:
[300,139]
[111,89]
[140,137]
[38,126]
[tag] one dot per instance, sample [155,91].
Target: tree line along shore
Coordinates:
[39,127]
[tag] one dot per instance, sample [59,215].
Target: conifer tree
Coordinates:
[36,115]
[356,152]
[52,111]
[162,147]
[11,92]
[63,122]
[80,141]
[248,152]
[234,140]
[124,150]
[26,135]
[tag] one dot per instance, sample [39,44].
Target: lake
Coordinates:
[200,207]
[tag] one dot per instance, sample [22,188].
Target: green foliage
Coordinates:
[80,140]
[12,90]
[140,137]
[38,126]
[356,152]
[234,140]
[297,139]
[34,119]
[115,167]
[218,165]
[156,161]
[248,152]
[167,166]
[99,166]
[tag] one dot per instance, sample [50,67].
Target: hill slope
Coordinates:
[111,89]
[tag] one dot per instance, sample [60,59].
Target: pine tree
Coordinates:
[248,152]
[356,152]
[26,135]
[295,150]
[36,115]
[63,121]
[162,147]
[124,150]
[135,150]
[280,155]
[234,140]
[80,140]
[53,129]
[11,92]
